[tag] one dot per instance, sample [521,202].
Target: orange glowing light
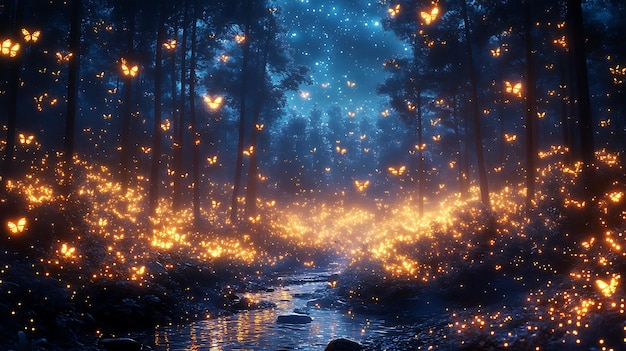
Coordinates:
[394,11]
[361,185]
[127,70]
[18,226]
[213,103]
[9,48]
[240,38]
[515,89]
[305,94]
[385,113]
[26,139]
[63,57]
[31,36]
[170,45]
[351,84]
[397,171]
[67,251]
[259,126]
[249,151]
[495,52]
[351,114]
[429,17]
[616,196]
[608,289]
[509,138]
[224,58]
[212,160]
[437,137]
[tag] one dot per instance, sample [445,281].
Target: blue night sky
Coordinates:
[344,44]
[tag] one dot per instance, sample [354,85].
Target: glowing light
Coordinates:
[61,57]
[18,226]
[127,70]
[616,196]
[608,289]
[515,89]
[385,113]
[397,171]
[429,17]
[394,11]
[495,52]
[30,36]
[26,139]
[509,138]
[67,251]
[249,151]
[351,84]
[9,48]
[212,160]
[213,103]
[240,38]
[305,94]
[170,45]
[361,185]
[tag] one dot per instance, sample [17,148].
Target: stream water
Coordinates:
[258,330]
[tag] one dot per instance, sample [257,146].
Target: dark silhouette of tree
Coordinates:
[158,112]
[179,122]
[529,96]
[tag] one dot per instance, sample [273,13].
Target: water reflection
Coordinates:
[258,330]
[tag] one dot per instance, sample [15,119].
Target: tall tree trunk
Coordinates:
[420,157]
[180,130]
[126,154]
[459,150]
[242,122]
[531,151]
[252,182]
[478,141]
[15,10]
[195,139]
[577,50]
[158,112]
[72,96]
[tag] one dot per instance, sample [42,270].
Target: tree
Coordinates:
[531,151]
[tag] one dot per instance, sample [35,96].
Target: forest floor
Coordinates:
[460,277]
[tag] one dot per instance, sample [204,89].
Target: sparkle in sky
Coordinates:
[344,44]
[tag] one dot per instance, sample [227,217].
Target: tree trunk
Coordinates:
[579,56]
[126,154]
[420,157]
[180,130]
[12,93]
[72,97]
[252,182]
[478,141]
[242,117]
[158,112]
[195,139]
[531,151]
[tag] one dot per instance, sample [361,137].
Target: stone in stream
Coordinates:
[343,345]
[121,344]
[294,319]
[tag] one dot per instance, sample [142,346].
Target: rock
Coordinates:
[121,344]
[294,319]
[343,345]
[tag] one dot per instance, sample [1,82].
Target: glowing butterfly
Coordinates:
[212,160]
[361,185]
[250,151]
[437,137]
[100,75]
[213,103]
[61,57]
[28,36]
[165,126]
[397,171]
[67,251]
[351,114]
[394,11]
[435,122]
[17,226]
[509,138]
[429,17]
[304,94]
[26,139]
[9,48]
[351,84]
[609,288]
[341,151]
[240,38]
[129,70]
[325,85]
[515,89]
[259,127]
[224,58]
[215,204]
[541,114]
[385,113]
[495,52]
[146,149]
[170,45]
[107,116]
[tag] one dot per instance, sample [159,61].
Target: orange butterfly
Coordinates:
[30,36]
[10,48]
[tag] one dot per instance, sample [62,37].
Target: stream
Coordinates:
[258,330]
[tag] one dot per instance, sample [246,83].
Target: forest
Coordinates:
[455,164]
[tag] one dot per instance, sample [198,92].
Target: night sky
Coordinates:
[344,44]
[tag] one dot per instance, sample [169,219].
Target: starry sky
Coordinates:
[344,44]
